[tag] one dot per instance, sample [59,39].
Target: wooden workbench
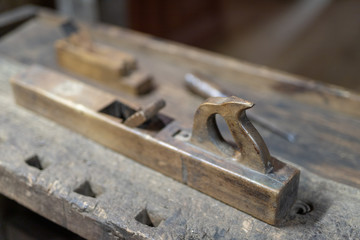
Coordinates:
[324,119]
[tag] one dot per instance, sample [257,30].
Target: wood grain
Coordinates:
[125,189]
[325,119]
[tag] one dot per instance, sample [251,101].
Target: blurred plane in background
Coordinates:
[316,39]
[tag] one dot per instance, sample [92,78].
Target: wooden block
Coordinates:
[109,66]
[94,61]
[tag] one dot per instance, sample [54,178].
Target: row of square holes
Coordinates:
[142,217]
[85,189]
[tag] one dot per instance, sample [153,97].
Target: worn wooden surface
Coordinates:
[18,223]
[124,188]
[326,121]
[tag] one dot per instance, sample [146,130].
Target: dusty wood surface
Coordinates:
[327,144]
[124,188]
[18,223]
[325,119]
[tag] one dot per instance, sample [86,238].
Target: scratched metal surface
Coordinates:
[327,143]
[125,188]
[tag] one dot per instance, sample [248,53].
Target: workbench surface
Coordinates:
[327,148]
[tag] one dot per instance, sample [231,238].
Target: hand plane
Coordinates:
[243,175]
[79,54]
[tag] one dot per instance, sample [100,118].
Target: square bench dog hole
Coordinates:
[148,219]
[36,162]
[89,189]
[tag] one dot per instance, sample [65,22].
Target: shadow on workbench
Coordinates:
[18,222]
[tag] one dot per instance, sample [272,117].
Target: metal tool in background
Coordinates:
[201,86]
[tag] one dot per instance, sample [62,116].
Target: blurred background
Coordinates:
[318,39]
